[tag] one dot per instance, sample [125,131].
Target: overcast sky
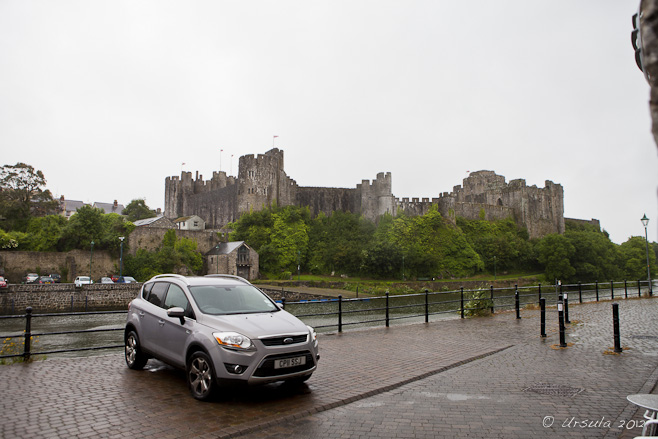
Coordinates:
[108,98]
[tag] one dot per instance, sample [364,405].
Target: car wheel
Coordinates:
[200,376]
[135,359]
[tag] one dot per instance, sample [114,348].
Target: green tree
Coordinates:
[595,257]
[44,233]
[555,253]
[175,255]
[84,226]
[633,259]
[138,210]
[23,195]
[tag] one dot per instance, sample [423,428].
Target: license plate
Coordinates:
[289,362]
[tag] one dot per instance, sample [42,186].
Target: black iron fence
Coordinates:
[326,314]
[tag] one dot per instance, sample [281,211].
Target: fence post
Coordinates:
[625,290]
[612,291]
[340,313]
[492,299]
[542,306]
[597,290]
[539,290]
[71,303]
[580,292]
[639,292]
[462,301]
[283,303]
[387,316]
[427,306]
[615,327]
[28,333]
[560,313]
[357,292]
[516,301]
[86,303]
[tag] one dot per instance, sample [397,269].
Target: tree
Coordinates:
[138,210]
[633,258]
[23,195]
[555,253]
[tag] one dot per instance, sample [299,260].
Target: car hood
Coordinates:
[257,325]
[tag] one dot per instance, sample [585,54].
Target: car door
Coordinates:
[174,333]
[150,315]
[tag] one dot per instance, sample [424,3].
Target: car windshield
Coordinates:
[232,299]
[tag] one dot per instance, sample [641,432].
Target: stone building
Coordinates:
[261,181]
[235,258]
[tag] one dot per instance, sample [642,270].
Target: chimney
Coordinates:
[116,204]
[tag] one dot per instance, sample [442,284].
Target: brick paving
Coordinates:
[449,378]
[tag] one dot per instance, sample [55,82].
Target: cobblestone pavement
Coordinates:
[489,377]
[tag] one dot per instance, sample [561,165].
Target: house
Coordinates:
[157,222]
[193,222]
[69,207]
[110,207]
[235,258]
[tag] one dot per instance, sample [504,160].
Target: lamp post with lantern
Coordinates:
[645,223]
[121,238]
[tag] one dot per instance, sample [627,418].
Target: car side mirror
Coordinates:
[177,311]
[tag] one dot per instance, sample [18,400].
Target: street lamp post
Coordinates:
[645,223]
[121,238]
[91,257]
[217,256]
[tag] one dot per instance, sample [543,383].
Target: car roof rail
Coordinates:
[161,276]
[229,276]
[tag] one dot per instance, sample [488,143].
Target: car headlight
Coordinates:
[234,340]
[314,335]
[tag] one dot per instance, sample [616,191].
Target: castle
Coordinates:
[262,181]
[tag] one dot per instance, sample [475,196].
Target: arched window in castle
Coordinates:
[499,202]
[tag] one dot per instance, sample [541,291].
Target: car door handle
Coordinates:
[161,322]
[141,313]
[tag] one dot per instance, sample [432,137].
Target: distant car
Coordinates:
[126,280]
[3,282]
[82,280]
[56,278]
[105,280]
[46,280]
[31,278]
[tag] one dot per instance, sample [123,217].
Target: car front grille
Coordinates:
[266,368]
[281,341]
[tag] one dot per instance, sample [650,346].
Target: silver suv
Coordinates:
[219,329]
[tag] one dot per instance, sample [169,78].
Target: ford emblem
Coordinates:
[287,340]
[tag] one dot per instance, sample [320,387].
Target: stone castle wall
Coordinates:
[262,181]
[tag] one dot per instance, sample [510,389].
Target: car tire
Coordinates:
[201,376]
[135,358]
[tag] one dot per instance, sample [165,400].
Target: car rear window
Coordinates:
[233,299]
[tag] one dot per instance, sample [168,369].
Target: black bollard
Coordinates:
[560,312]
[566,309]
[427,306]
[615,327]
[516,302]
[28,333]
[340,313]
[542,306]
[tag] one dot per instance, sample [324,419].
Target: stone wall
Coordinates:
[69,265]
[66,298]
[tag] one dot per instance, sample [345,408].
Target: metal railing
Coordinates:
[340,312]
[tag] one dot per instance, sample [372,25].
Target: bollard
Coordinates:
[566,309]
[615,327]
[597,290]
[340,313]
[462,301]
[283,303]
[28,333]
[560,313]
[639,292]
[516,301]
[542,306]
[580,292]
[387,316]
[492,299]
[625,289]
[427,306]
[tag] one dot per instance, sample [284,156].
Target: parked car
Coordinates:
[105,280]
[126,280]
[219,329]
[31,278]
[82,280]
[115,277]
[3,282]
[46,280]
[56,278]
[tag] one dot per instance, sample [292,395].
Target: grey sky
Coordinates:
[108,98]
